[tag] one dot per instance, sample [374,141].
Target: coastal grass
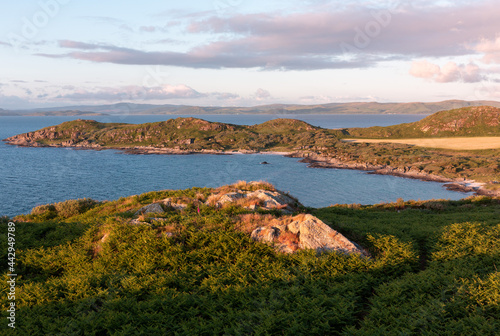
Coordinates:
[456,143]
[432,270]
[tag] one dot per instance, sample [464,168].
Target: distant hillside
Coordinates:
[467,121]
[69,113]
[51,113]
[4,113]
[333,108]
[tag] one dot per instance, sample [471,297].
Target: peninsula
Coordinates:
[392,150]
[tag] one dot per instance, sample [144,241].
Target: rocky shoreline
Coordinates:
[457,184]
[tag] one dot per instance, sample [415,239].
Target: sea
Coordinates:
[35,176]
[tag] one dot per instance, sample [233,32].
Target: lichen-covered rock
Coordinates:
[314,234]
[231,197]
[171,203]
[264,199]
[151,208]
[265,234]
[310,232]
[274,200]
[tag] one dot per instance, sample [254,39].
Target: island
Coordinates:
[459,147]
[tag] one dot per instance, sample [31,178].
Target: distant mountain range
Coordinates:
[50,113]
[333,108]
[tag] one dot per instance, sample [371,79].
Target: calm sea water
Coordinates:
[34,176]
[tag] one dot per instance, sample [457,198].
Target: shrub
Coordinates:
[72,208]
[44,212]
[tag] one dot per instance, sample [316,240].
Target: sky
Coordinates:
[247,53]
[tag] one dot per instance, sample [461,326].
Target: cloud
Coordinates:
[491,50]
[152,29]
[326,99]
[121,24]
[209,58]
[5,44]
[148,29]
[132,92]
[224,96]
[333,38]
[10,102]
[262,94]
[80,45]
[450,72]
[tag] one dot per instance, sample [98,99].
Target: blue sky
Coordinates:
[244,53]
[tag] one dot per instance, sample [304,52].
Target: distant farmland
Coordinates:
[462,143]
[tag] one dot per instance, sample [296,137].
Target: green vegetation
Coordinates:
[184,134]
[85,268]
[467,121]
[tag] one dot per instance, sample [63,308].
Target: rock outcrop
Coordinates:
[154,208]
[305,232]
[174,204]
[263,199]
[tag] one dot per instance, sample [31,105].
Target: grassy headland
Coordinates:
[85,267]
[321,147]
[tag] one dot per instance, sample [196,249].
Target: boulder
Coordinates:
[171,203]
[231,197]
[274,200]
[151,208]
[265,234]
[264,199]
[311,233]
[138,222]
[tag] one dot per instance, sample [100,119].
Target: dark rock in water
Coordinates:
[264,162]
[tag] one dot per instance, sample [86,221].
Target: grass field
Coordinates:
[447,143]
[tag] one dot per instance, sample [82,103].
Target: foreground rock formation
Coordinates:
[263,199]
[286,234]
[305,231]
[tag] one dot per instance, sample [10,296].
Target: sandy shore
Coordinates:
[456,143]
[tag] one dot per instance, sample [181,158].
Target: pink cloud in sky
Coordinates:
[133,92]
[450,72]
[353,37]
[262,94]
[491,49]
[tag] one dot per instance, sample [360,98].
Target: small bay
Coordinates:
[34,176]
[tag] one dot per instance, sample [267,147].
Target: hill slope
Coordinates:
[86,267]
[467,121]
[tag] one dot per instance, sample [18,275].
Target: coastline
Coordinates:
[313,160]
[455,184]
